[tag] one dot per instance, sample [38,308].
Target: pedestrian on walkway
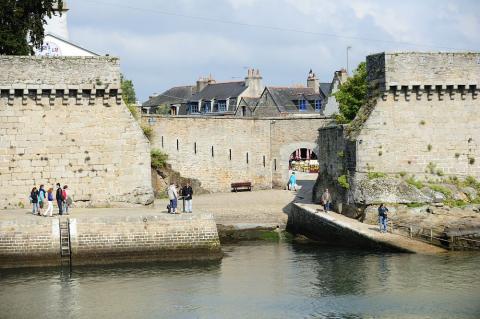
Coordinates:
[187,193]
[34,200]
[42,198]
[292,182]
[173,197]
[49,210]
[382,218]
[59,198]
[326,200]
[65,199]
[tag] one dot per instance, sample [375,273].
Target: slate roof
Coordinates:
[220,91]
[284,98]
[326,88]
[177,94]
[250,101]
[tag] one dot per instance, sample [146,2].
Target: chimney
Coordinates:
[312,82]
[342,76]
[202,82]
[254,83]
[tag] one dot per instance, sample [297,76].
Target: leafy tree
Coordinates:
[22,24]
[128,91]
[352,94]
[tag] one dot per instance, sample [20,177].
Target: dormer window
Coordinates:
[318,105]
[302,105]
[222,106]
[193,106]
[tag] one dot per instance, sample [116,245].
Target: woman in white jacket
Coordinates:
[172,196]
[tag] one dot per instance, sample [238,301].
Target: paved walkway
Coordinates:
[371,232]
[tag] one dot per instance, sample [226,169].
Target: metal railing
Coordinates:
[430,236]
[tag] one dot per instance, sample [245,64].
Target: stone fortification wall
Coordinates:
[99,239]
[426,114]
[35,241]
[421,122]
[62,119]
[218,151]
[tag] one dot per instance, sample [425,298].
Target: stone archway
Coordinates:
[281,171]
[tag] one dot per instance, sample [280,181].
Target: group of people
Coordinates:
[185,193]
[41,198]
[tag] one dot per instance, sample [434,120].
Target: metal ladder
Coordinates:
[65,247]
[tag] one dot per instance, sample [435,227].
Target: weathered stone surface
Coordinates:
[436,197]
[470,192]
[218,151]
[68,124]
[386,190]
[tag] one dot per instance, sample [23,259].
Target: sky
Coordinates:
[163,43]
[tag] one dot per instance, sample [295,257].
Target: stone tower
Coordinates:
[57,24]
[312,82]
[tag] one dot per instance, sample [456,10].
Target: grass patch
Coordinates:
[343,181]
[415,205]
[147,130]
[373,175]
[455,203]
[133,109]
[270,235]
[158,159]
[441,189]
[402,174]
[431,168]
[412,181]
[341,154]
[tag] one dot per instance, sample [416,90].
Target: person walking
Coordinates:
[172,196]
[49,210]
[34,200]
[59,198]
[65,199]
[382,218]
[292,182]
[187,193]
[41,198]
[326,200]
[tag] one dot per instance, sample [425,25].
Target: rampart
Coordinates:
[62,119]
[218,151]
[30,241]
[422,121]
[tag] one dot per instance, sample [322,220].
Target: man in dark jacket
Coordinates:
[59,198]
[187,193]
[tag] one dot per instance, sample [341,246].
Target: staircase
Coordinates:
[65,247]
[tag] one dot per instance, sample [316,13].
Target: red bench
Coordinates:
[241,186]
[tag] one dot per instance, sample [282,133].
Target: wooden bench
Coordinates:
[241,185]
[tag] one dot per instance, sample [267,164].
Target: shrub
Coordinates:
[343,181]
[431,168]
[373,175]
[457,155]
[470,181]
[439,172]
[158,159]
[471,160]
[402,174]
[422,122]
[412,181]
[429,147]
[341,154]
[147,130]
[380,153]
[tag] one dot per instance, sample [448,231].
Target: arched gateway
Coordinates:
[218,151]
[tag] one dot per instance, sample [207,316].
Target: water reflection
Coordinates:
[254,280]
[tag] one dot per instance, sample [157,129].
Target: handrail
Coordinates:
[452,242]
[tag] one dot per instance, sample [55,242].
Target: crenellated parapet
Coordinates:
[424,75]
[69,80]
[439,92]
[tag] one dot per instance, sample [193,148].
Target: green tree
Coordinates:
[128,91]
[22,24]
[352,94]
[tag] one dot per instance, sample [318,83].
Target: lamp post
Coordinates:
[348,48]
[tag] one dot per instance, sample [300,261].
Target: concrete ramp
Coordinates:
[311,221]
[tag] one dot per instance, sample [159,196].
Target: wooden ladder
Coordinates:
[65,247]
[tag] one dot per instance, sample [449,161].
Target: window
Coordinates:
[177,145]
[263,160]
[193,107]
[212,152]
[230,154]
[222,106]
[206,107]
[318,105]
[302,105]
[247,157]
[195,147]
[275,164]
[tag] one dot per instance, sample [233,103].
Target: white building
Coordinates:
[56,41]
